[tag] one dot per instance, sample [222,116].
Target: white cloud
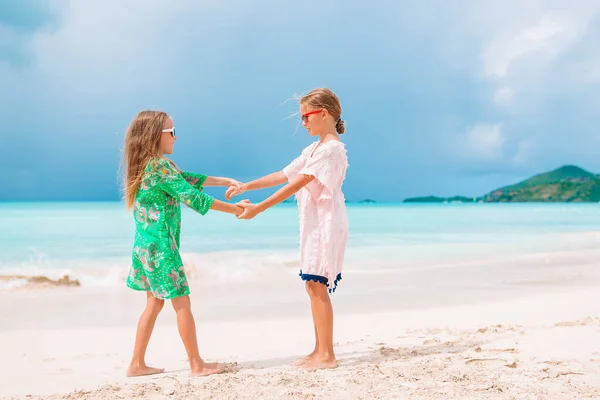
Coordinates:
[534,32]
[505,50]
[108,46]
[488,146]
[535,56]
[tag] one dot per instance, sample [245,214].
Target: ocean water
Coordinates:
[91,242]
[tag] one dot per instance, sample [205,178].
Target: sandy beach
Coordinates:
[441,156]
[530,331]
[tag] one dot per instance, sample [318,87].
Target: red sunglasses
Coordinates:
[305,116]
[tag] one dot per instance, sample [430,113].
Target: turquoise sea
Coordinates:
[92,241]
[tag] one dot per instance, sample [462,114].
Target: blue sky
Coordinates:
[439,97]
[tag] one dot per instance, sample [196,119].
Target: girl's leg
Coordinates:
[316,350]
[187,331]
[323,312]
[144,331]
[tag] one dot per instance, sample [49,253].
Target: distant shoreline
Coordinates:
[567,184]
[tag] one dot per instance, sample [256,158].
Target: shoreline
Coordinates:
[213,267]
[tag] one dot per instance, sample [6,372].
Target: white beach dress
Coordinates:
[322,210]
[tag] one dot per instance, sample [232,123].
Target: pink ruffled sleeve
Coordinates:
[291,171]
[328,166]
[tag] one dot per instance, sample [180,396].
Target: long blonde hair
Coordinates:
[142,143]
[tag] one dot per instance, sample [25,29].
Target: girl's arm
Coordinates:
[267,181]
[222,206]
[251,210]
[285,192]
[199,180]
[219,181]
[174,183]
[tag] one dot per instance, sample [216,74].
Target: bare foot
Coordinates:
[305,360]
[143,370]
[206,369]
[301,361]
[320,363]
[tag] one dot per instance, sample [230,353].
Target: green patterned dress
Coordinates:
[156,263]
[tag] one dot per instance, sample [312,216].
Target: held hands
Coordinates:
[234,189]
[250,210]
[232,186]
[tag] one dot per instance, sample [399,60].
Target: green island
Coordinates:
[568,183]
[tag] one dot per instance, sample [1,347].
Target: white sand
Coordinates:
[531,333]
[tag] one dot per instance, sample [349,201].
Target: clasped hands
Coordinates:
[235,189]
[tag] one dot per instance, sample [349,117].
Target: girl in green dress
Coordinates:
[154,187]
